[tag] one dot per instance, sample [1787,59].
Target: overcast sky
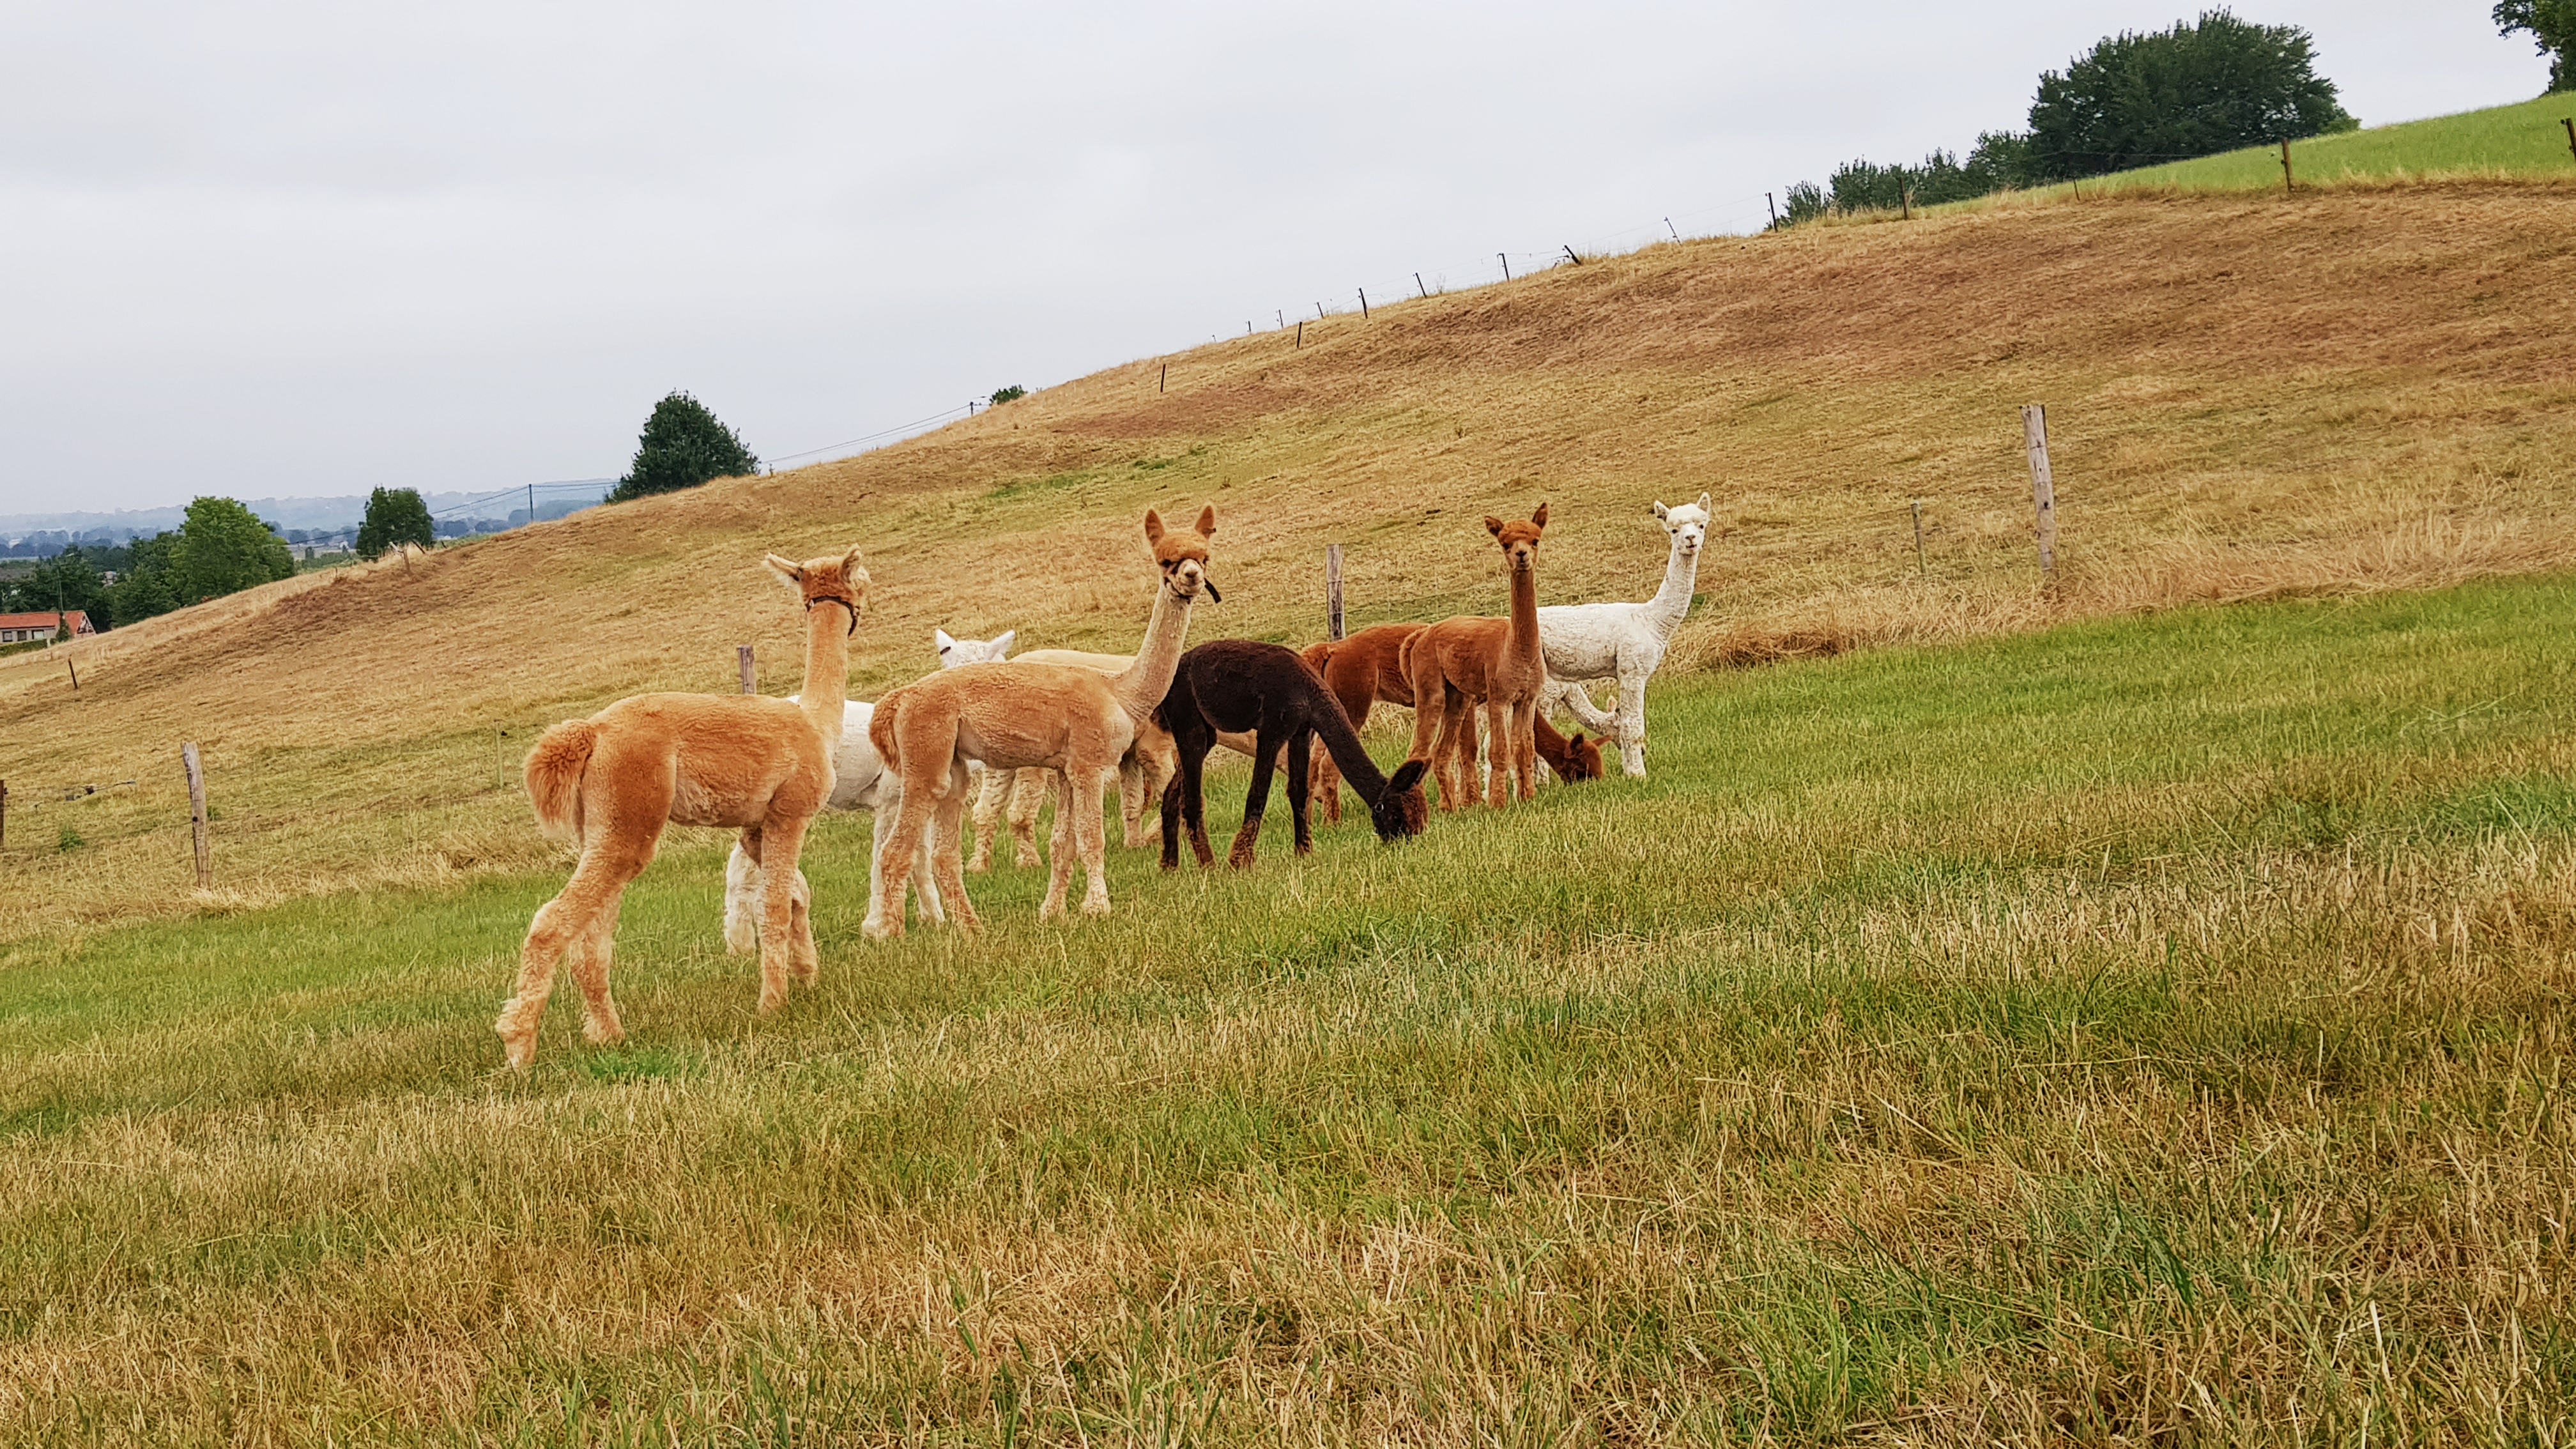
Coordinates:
[310,248]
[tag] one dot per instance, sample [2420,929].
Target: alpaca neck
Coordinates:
[1673,600]
[1333,727]
[1141,686]
[827,667]
[1521,641]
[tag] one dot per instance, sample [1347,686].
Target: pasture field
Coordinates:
[2248,395]
[2520,141]
[2151,1029]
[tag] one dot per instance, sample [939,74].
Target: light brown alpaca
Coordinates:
[1367,669]
[610,783]
[1016,796]
[1017,715]
[1458,663]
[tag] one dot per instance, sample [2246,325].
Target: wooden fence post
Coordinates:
[750,676]
[75,669]
[2043,486]
[1165,379]
[4,815]
[2570,123]
[1920,569]
[1333,590]
[1301,332]
[197,810]
[1507,265]
[2289,183]
[1426,291]
[1364,304]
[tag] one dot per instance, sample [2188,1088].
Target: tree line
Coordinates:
[2203,87]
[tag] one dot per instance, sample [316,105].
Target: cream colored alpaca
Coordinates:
[612,782]
[1018,795]
[1075,721]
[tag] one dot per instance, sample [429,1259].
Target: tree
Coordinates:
[223,550]
[2194,90]
[682,446]
[2552,23]
[67,581]
[395,516]
[1013,393]
[149,583]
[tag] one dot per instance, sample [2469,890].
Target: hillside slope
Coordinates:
[2247,394]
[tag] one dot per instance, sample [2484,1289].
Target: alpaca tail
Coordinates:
[554,771]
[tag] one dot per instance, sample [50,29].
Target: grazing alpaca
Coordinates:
[1364,670]
[1238,685]
[1017,715]
[857,780]
[1588,642]
[1459,663]
[612,782]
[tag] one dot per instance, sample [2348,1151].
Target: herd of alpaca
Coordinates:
[1065,723]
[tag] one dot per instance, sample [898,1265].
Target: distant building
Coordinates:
[28,628]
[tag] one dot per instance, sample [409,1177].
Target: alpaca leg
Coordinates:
[1632,725]
[925,868]
[1194,805]
[880,830]
[1131,799]
[947,865]
[1301,759]
[993,792]
[1505,755]
[1029,791]
[1171,823]
[1578,700]
[596,883]
[1060,848]
[1083,795]
[802,960]
[1525,746]
[742,903]
[1326,787]
[588,959]
[1256,802]
[890,869]
[782,840]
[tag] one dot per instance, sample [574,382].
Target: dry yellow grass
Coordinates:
[2248,395]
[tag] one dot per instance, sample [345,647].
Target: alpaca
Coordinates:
[612,782]
[1459,663]
[1015,715]
[1239,685]
[1588,642]
[858,778]
[1019,795]
[1363,670]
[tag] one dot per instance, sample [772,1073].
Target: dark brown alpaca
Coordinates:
[1239,686]
[1367,669]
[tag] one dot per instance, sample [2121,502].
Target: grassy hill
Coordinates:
[2518,142]
[2248,395]
[2148,1030]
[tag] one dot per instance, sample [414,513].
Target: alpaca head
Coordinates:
[1183,556]
[954,652]
[1399,812]
[1687,524]
[837,579]
[1582,761]
[1519,540]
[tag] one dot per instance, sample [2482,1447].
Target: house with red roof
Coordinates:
[29,628]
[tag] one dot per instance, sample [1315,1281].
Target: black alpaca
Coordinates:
[1239,686]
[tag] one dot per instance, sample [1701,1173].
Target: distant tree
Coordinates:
[149,584]
[683,445]
[1013,393]
[2194,90]
[67,581]
[395,516]
[223,550]
[2552,23]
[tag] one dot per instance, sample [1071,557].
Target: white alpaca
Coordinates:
[1591,643]
[859,782]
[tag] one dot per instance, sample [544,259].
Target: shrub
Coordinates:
[1013,393]
[395,516]
[69,841]
[682,446]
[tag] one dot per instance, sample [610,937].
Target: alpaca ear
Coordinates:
[940,638]
[850,562]
[1703,503]
[788,570]
[1406,776]
[1540,517]
[1493,525]
[1207,521]
[1153,526]
[1002,645]
[1660,510]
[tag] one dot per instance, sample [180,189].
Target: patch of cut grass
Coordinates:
[2146,1029]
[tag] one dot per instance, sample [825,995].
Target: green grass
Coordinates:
[2523,140]
[2150,1029]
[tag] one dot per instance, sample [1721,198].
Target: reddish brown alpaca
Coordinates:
[1366,669]
[1459,663]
